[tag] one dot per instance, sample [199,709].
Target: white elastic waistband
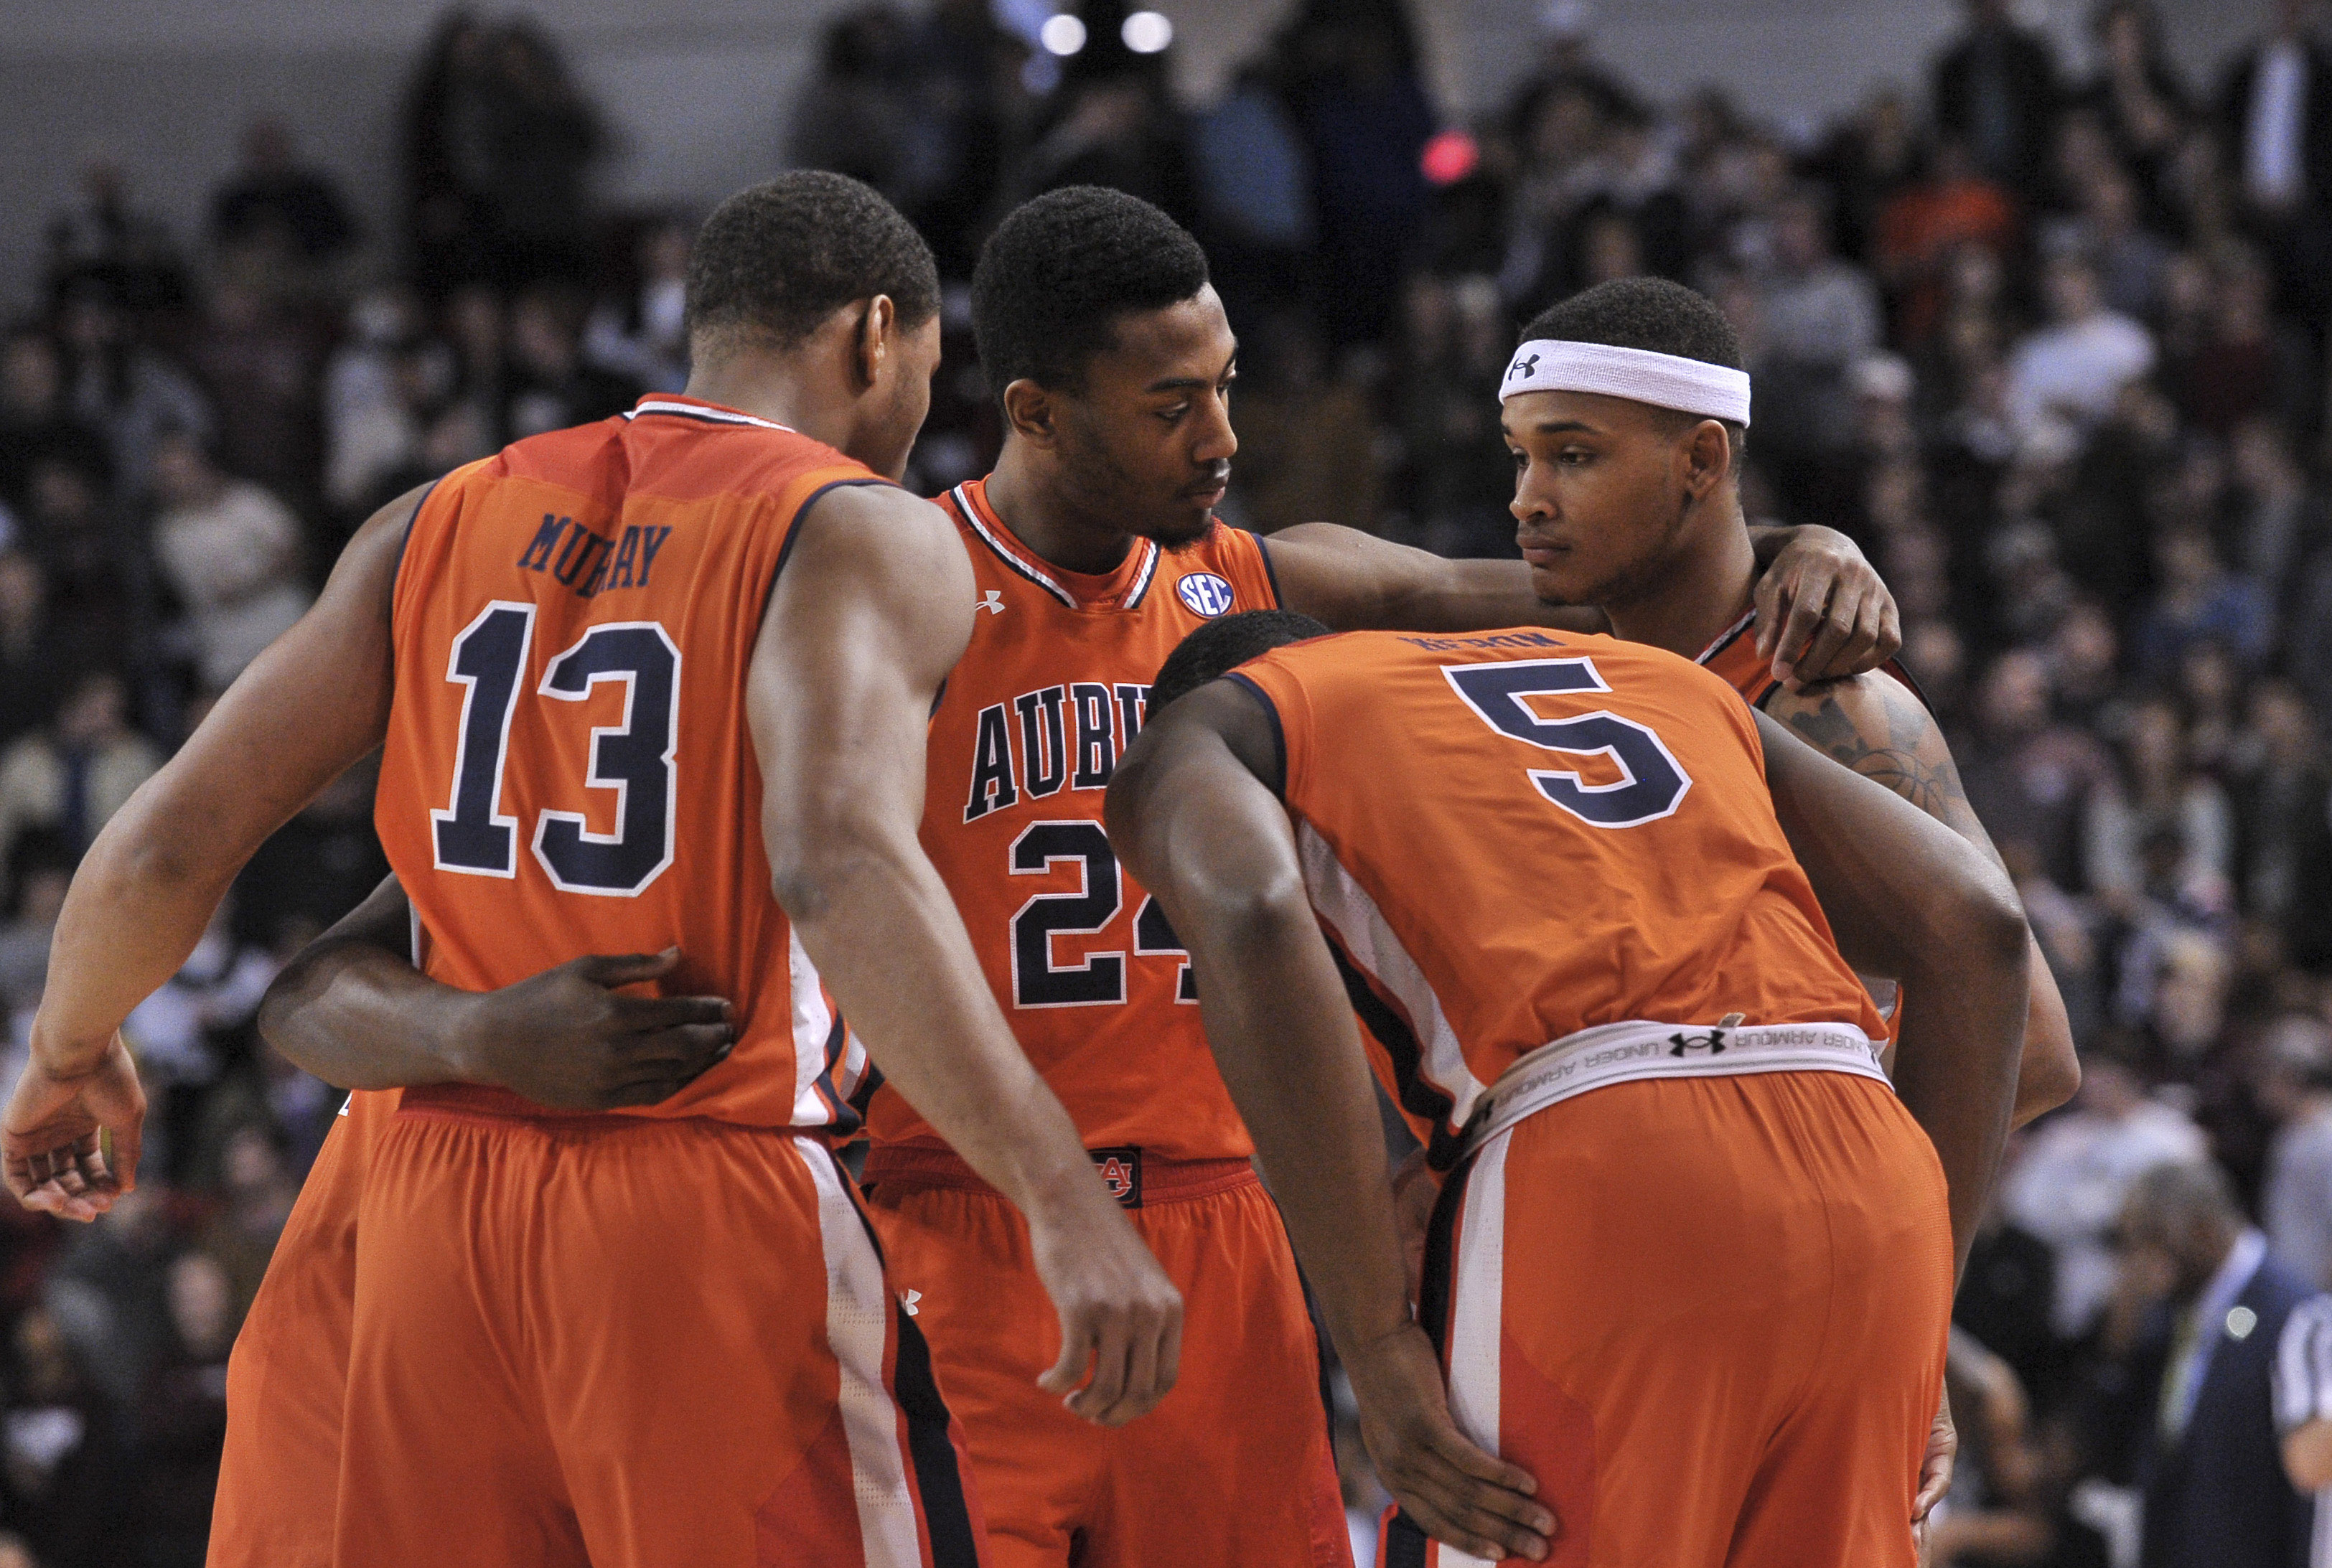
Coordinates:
[1622,1052]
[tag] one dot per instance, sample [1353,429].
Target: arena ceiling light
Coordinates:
[1147,32]
[1063,35]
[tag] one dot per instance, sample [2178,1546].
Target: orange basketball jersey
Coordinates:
[1516,835]
[567,768]
[1051,692]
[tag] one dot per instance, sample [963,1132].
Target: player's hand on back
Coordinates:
[570,1040]
[1822,612]
[1120,1316]
[1446,1484]
[51,1151]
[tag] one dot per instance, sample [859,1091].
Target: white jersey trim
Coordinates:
[858,1331]
[703,411]
[1370,943]
[1477,1291]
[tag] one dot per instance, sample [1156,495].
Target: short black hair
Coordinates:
[1061,269]
[774,261]
[1225,645]
[1649,313]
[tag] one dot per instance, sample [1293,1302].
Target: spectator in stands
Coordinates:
[2199,600]
[103,240]
[36,424]
[2292,1081]
[1995,88]
[2282,798]
[849,118]
[182,1417]
[61,1458]
[639,335]
[259,1187]
[2075,1170]
[260,368]
[2132,260]
[2139,97]
[2201,1311]
[1925,227]
[2068,375]
[108,1295]
[40,869]
[186,1034]
[232,553]
[1819,316]
[2029,777]
[2159,787]
[35,657]
[551,384]
[74,773]
[278,208]
[2275,122]
[121,389]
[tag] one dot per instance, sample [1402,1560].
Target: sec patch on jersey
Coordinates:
[1206,593]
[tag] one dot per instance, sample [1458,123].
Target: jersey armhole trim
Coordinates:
[1278,732]
[1270,575]
[405,538]
[794,533]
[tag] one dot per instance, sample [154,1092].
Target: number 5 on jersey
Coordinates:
[634,758]
[1651,786]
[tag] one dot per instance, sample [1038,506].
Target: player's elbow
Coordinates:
[1254,908]
[2051,1075]
[812,865]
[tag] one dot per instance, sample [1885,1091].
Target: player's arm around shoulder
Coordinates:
[310,706]
[1873,724]
[872,608]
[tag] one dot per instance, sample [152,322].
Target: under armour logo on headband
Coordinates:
[1640,375]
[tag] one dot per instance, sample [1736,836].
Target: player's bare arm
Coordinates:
[305,711]
[1823,611]
[1907,896]
[873,610]
[1190,816]
[1875,726]
[352,1010]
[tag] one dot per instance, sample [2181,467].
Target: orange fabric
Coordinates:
[614,1341]
[1234,1468]
[657,538]
[1049,694]
[279,1473]
[1716,1324]
[1486,918]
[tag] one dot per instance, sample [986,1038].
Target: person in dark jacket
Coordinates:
[1996,91]
[2204,1381]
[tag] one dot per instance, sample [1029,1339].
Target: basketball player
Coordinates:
[660,1335]
[1629,504]
[1095,551]
[1693,1267]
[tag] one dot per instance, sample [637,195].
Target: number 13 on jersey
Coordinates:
[634,757]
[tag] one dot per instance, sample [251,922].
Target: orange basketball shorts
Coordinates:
[1234,1468]
[279,1474]
[1708,1313]
[633,1343]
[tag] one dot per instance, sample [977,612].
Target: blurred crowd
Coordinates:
[2050,342]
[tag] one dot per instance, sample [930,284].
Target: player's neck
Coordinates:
[1704,587]
[774,390]
[1028,501]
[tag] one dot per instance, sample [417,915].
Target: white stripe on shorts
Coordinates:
[857,1329]
[1477,1291]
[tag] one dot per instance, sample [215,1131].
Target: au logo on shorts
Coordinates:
[1206,593]
[1121,1172]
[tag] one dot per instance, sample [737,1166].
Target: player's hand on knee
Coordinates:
[1447,1484]
[52,1139]
[570,1040]
[1120,1318]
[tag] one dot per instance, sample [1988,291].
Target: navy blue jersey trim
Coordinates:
[794,532]
[979,532]
[1270,573]
[1417,1094]
[1278,735]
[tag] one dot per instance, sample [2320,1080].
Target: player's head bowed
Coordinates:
[1625,407]
[1224,645]
[1105,343]
[818,267]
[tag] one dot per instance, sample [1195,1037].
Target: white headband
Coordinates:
[1663,380]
